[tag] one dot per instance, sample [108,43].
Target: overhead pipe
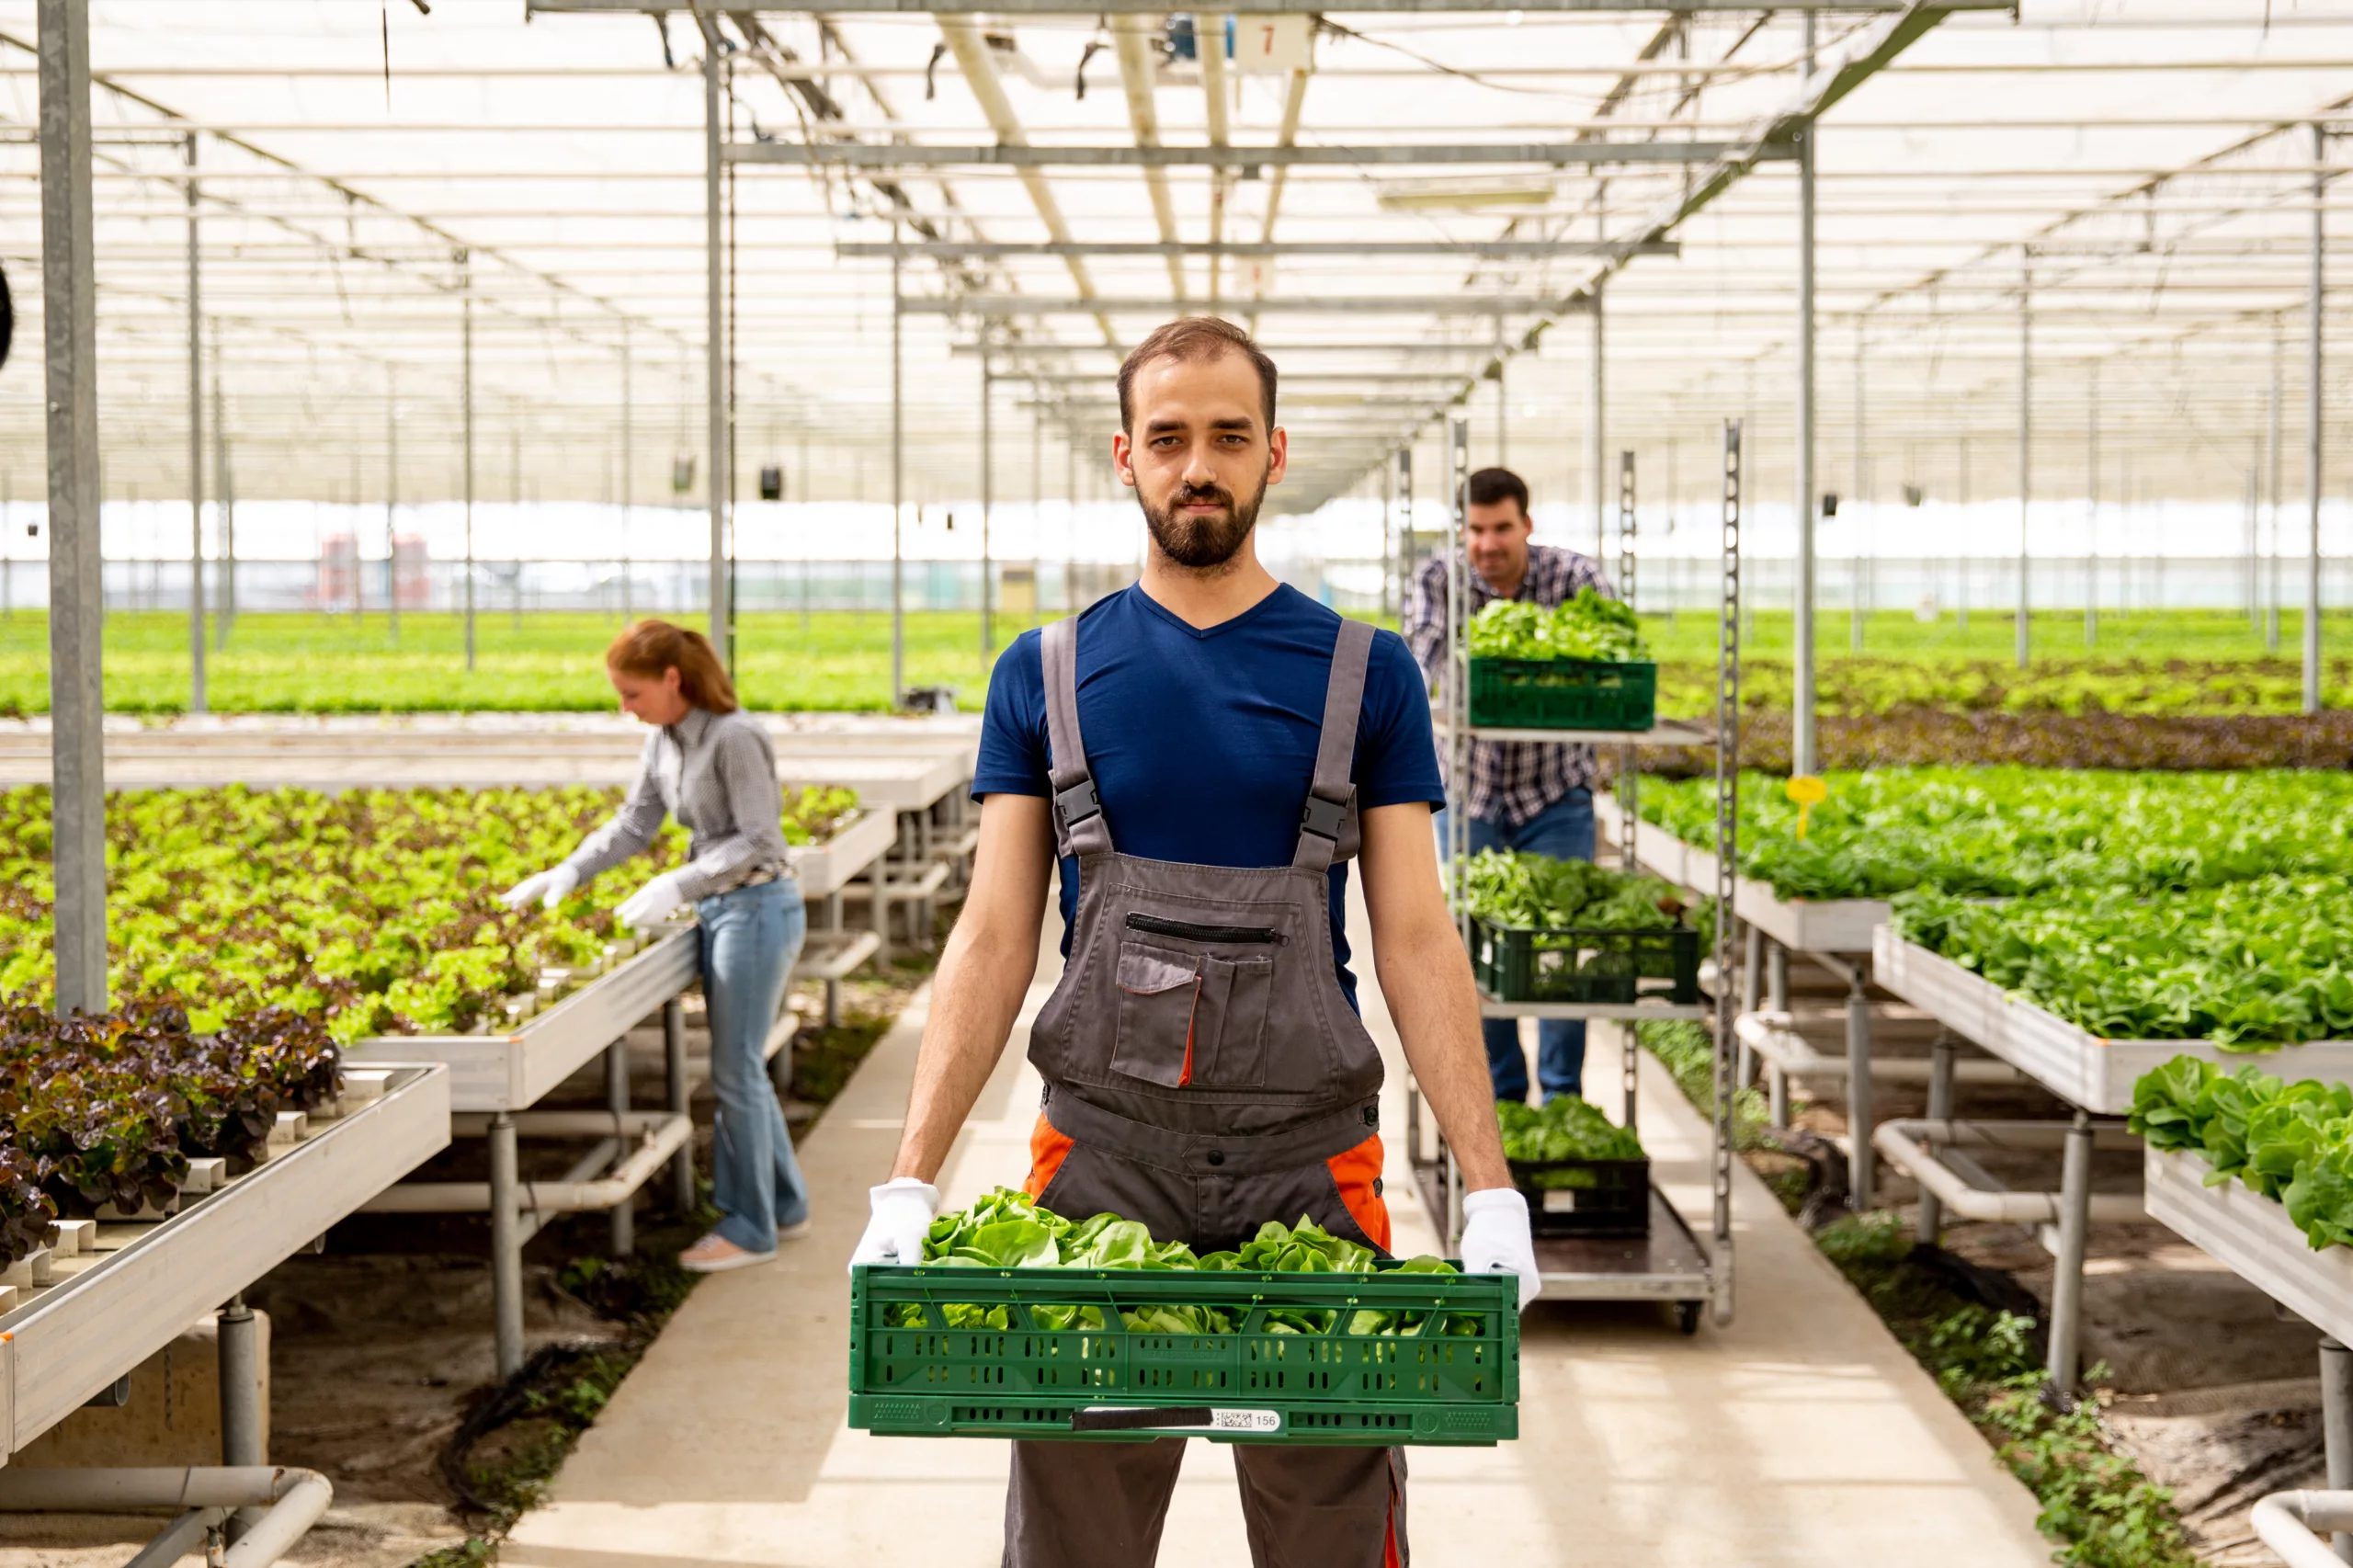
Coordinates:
[295,1500]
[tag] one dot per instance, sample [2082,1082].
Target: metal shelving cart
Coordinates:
[1674,1264]
[115,1291]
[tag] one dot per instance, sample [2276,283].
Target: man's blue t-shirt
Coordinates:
[1202,742]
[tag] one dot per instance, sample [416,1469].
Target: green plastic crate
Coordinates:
[1518,965]
[1563,694]
[1116,1384]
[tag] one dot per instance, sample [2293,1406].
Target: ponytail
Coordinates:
[648,648]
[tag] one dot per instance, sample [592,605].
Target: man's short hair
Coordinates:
[1491,486]
[1194,338]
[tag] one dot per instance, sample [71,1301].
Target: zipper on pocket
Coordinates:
[1192,932]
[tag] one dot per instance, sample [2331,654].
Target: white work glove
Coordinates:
[904,1210]
[1496,1236]
[549,887]
[651,904]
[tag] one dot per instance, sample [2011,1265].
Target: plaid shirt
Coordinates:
[1511,781]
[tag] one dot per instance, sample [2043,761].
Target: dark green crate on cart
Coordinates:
[1518,965]
[1585,1198]
[1023,1380]
[1563,694]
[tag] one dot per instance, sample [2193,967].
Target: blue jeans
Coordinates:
[1565,831]
[750,939]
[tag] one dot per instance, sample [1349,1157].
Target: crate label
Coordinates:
[1246,1421]
[1560,1200]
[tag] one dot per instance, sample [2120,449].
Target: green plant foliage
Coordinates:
[2291,1142]
[1588,627]
[1006,1228]
[2250,965]
[376,910]
[2001,831]
[109,1110]
[1564,1128]
[1535,893]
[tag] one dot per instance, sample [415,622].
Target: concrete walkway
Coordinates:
[1801,1435]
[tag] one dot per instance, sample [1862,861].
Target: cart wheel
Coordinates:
[1686,1315]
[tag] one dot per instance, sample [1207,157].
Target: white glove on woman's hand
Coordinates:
[904,1210]
[549,887]
[1496,1236]
[648,904]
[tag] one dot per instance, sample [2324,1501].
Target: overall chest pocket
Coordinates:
[1193,1019]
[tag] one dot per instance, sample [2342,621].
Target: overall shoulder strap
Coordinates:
[1079,827]
[1327,828]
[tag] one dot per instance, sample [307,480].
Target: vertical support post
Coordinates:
[1858,1087]
[1629,757]
[622,1216]
[1596,428]
[1406,565]
[2026,448]
[225,620]
[505,1246]
[715,297]
[1752,968]
[988,500]
[1038,496]
[515,499]
[2314,409]
[628,446]
[898,501]
[1458,662]
[195,627]
[392,502]
[1960,560]
[1720,1275]
[1941,1064]
[1389,565]
[833,987]
[466,333]
[2273,458]
[77,595]
[2067,1278]
[1803,758]
[681,1100]
[237,1357]
[1855,505]
[2091,510]
[2337,1426]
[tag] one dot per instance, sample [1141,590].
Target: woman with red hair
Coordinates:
[710,764]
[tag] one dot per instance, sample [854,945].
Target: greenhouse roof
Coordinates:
[2122,190]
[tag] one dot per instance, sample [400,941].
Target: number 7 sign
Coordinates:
[1274,44]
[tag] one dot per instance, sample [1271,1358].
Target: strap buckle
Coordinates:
[1321,817]
[1078,802]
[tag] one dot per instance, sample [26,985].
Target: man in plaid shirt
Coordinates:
[1521,794]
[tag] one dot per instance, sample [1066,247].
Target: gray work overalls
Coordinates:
[1204,1074]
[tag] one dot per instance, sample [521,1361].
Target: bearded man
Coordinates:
[1202,753]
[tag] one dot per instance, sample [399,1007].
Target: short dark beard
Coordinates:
[1202,544]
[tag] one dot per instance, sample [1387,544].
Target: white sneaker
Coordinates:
[793,1232]
[716,1255]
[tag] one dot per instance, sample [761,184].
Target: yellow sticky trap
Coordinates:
[1808,791]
